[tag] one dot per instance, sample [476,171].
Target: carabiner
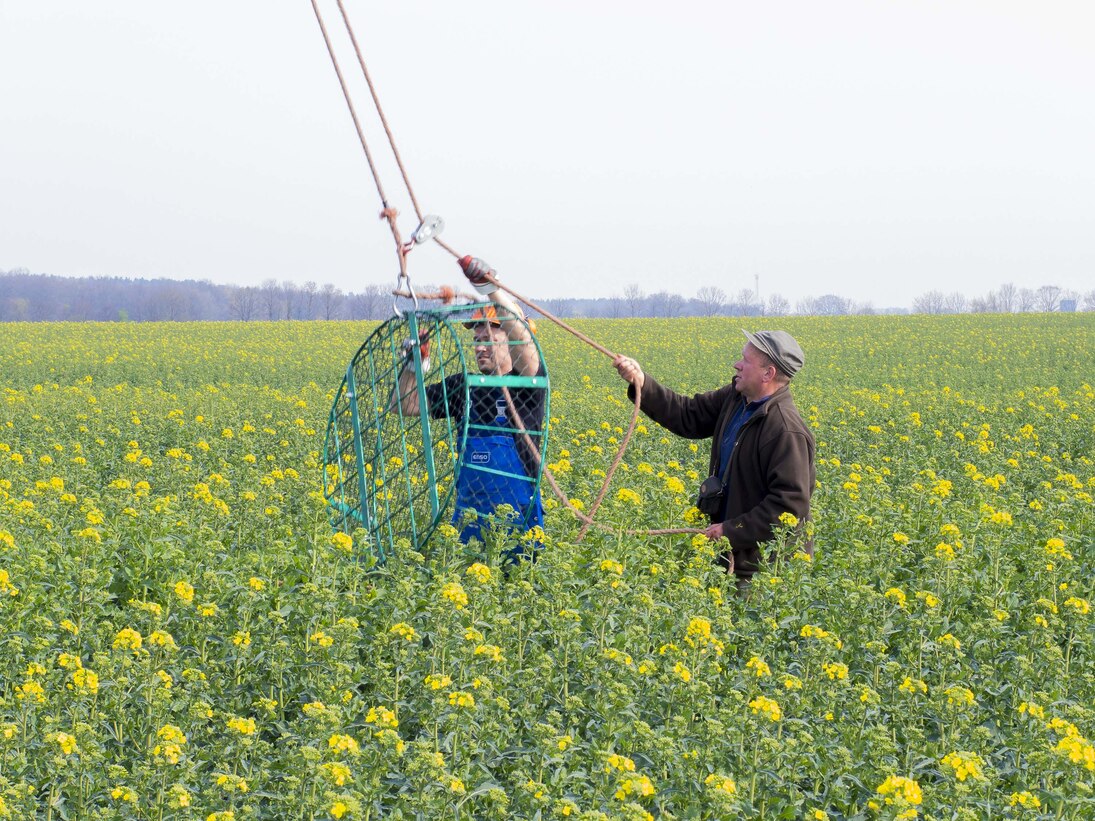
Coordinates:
[400,280]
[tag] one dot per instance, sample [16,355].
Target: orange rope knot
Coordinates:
[389,214]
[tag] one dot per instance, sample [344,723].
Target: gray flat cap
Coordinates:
[780,347]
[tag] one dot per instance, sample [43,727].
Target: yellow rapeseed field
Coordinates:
[186,639]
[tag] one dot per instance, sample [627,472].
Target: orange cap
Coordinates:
[490,315]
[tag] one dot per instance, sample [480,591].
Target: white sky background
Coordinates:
[875,150]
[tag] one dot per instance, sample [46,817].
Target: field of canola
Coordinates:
[184,639]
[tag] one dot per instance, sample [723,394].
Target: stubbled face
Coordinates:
[492,349]
[752,374]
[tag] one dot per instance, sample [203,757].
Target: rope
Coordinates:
[388,212]
[380,111]
[587,521]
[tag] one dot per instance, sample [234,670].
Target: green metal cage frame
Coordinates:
[373,451]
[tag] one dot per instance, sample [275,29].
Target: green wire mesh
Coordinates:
[395,448]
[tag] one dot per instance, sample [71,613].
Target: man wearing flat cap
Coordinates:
[762,453]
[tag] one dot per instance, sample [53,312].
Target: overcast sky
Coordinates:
[870,149]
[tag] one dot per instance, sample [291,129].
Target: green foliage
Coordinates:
[185,638]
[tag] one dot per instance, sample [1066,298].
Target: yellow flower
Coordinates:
[638,785]
[948,640]
[930,600]
[480,572]
[121,793]
[337,772]
[403,630]
[67,743]
[85,680]
[959,696]
[965,765]
[491,651]
[31,691]
[721,783]
[184,591]
[1081,606]
[382,717]
[243,726]
[759,667]
[171,734]
[620,763]
[788,519]
[161,638]
[912,686]
[343,744]
[456,786]
[767,707]
[900,791]
[835,670]
[896,595]
[127,639]
[1024,799]
[342,542]
[682,672]
[453,592]
[256,583]
[461,699]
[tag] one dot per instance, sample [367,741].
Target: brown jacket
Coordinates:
[771,469]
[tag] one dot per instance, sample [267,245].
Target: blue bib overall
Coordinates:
[480,489]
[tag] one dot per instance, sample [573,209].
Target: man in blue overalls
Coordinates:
[503,345]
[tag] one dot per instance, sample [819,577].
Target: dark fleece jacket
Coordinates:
[771,467]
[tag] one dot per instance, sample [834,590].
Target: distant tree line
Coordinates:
[27,297]
[1006,299]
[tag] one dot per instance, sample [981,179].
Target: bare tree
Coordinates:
[633,297]
[330,300]
[832,305]
[370,303]
[984,304]
[807,306]
[863,308]
[291,297]
[308,294]
[1047,298]
[1006,297]
[1024,300]
[710,299]
[954,303]
[270,296]
[932,302]
[244,303]
[777,306]
[615,307]
[1089,301]
[666,304]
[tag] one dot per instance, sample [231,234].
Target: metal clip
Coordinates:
[399,282]
[432,226]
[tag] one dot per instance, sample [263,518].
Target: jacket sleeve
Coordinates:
[790,481]
[692,417]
